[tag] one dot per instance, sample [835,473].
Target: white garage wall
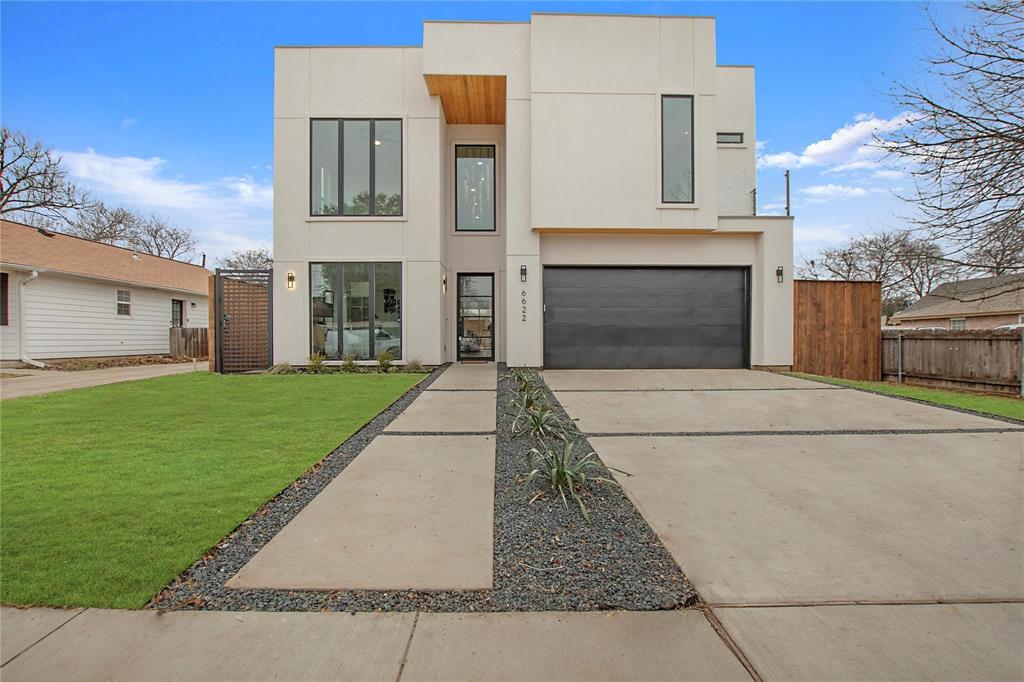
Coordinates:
[68,317]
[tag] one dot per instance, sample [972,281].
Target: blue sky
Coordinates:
[168,106]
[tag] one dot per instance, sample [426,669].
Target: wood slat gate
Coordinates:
[243,304]
[837,328]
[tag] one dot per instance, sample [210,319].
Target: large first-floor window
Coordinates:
[356,309]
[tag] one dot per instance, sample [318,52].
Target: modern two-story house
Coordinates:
[575,191]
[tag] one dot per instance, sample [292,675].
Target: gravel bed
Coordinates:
[546,557]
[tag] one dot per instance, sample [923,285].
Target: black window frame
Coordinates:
[372,173]
[178,306]
[693,148]
[339,284]
[5,293]
[719,140]
[494,191]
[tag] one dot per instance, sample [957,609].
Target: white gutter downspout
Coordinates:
[21,322]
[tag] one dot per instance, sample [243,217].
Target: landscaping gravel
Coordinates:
[547,557]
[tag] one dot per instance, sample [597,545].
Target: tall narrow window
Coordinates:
[4,293]
[124,302]
[324,150]
[677,149]
[356,167]
[474,188]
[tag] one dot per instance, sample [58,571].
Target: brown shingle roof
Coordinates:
[28,247]
[983,296]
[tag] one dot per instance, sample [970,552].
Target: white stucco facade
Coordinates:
[577,166]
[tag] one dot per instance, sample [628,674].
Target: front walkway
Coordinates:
[414,511]
[39,381]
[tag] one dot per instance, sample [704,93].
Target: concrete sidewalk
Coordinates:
[37,382]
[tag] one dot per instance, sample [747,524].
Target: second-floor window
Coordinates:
[356,167]
[474,188]
[677,149]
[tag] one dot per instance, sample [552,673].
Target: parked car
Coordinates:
[1015,325]
[931,329]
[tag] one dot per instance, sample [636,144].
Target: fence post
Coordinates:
[899,358]
[1022,362]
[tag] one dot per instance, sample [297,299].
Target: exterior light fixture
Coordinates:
[377,142]
[522,273]
[778,274]
[444,284]
[291,280]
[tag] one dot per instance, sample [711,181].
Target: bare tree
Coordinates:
[156,236]
[101,223]
[250,259]
[33,186]
[964,141]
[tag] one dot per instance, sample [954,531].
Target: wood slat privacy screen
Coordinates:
[837,329]
[243,326]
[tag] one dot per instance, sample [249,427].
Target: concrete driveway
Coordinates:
[821,523]
[24,382]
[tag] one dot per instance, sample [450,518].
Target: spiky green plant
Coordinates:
[348,363]
[530,400]
[542,423]
[385,359]
[317,364]
[564,471]
[521,378]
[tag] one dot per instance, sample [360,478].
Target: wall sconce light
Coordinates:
[522,273]
[291,280]
[778,274]
[444,284]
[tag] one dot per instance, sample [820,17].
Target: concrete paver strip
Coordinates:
[768,519]
[21,628]
[448,412]
[732,411]
[463,377]
[410,512]
[569,646]
[150,645]
[41,382]
[919,642]
[670,379]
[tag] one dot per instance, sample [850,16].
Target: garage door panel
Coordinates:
[645,317]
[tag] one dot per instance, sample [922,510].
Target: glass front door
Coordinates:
[476,317]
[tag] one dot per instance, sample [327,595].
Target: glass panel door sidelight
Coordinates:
[475,316]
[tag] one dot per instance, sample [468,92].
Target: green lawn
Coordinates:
[987,404]
[108,493]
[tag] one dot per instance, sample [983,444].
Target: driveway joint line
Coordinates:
[730,643]
[694,390]
[15,656]
[867,602]
[408,645]
[833,432]
[474,390]
[443,433]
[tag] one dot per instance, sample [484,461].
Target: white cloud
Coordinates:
[848,148]
[227,214]
[889,174]
[804,235]
[128,123]
[830,192]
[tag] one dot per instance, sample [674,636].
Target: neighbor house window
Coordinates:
[474,188]
[677,149]
[124,302]
[356,167]
[730,138]
[958,325]
[356,309]
[4,294]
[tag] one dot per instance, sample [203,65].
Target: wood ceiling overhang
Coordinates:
[469,99]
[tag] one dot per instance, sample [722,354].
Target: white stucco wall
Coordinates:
[71,317]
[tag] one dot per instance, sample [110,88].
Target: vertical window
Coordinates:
[356,309]
[124,302]
[4,300]
[677,149]
[177,313]
[356,167]
[324,152]
[474,188]
[958,325]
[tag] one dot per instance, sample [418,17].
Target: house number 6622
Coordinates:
[523,294]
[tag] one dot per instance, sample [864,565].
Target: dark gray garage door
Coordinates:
[624,317]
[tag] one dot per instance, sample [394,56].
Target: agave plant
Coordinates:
[542,423]
[529,400]
[565,473]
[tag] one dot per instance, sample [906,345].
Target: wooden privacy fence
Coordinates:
[189,342]
[982,360]
[837,328]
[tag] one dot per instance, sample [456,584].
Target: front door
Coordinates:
[177,313]
[476,317]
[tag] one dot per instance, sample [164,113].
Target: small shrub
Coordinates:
[542,424]
[348,363]
[384,361]
[317,364]
[414,366]
[530,400]
[563,471]
[521,378]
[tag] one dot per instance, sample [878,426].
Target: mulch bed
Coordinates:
[75,364]
[547,557]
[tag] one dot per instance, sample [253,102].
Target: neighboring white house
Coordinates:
[573,191]
[65,297]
